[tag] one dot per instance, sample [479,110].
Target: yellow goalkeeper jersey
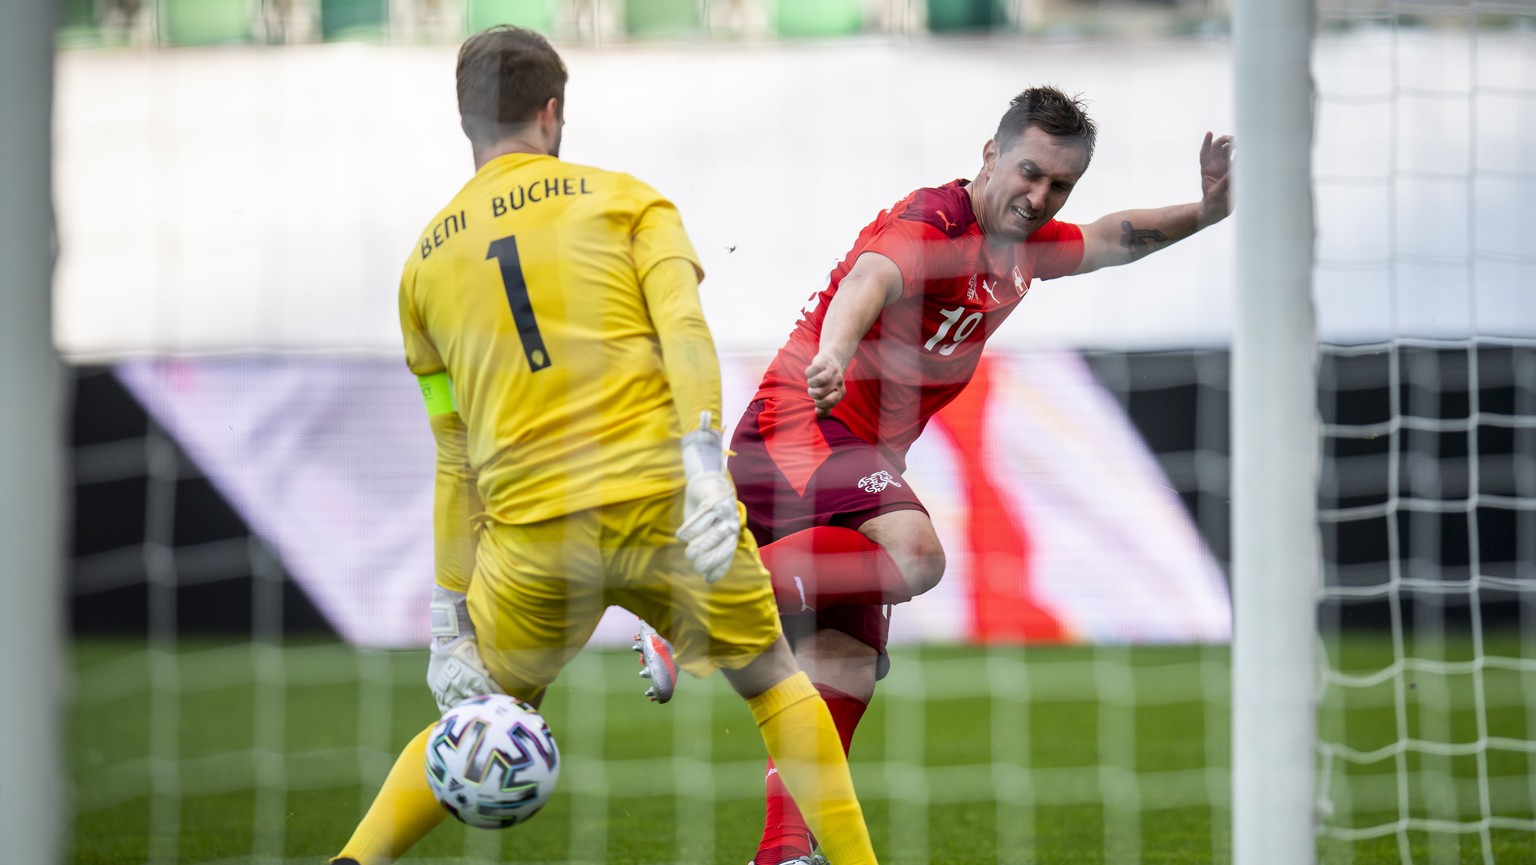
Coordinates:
[526,290]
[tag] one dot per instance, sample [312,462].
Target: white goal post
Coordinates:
[1275,556]
[32,799]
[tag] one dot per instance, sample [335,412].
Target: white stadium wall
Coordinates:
[264,199]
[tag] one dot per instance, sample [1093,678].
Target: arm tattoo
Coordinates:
[1138,239]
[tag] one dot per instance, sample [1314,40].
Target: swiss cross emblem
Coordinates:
[877,482]
[1018,281]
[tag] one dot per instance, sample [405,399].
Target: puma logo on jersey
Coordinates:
[877,482]
[934,206]
[988,289]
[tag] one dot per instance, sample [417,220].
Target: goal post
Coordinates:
[1275,558]
[32,796]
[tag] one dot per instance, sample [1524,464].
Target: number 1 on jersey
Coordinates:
[505,253]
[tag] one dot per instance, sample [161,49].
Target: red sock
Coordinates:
[827,565]
[785,834]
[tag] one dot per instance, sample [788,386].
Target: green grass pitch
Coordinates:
[213,752]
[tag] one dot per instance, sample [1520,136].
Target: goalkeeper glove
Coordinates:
[454,670]
[711,524]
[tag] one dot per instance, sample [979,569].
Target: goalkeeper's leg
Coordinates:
[403,812]
[404,808]
[806,748]
[733,625]
[843,668]
[532,610]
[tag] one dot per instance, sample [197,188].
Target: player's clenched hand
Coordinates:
[1215,179]
[824,382]
[711,523]
[455,671]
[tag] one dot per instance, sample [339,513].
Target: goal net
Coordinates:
[1425,728]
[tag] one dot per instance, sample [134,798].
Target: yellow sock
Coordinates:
[804,745]
[402,814]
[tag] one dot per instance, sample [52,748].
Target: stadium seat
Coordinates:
[958,16]
[353,19]
[798,18]
[204,22]
[534,14]
[663,19]
[77,23]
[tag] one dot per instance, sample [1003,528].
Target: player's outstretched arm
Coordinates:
[455,499]
[455,670]
[873,284]
[1124,237]
[671,290]
[711,524]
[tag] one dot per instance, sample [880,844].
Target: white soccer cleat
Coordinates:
[814,859]
[656,663]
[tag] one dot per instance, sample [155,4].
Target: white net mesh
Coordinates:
[1425,119]
[1425,729]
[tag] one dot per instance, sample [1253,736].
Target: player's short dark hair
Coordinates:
[506,75]
[1052,112]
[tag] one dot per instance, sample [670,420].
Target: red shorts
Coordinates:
[794,471]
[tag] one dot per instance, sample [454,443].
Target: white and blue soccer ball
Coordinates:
[492,762]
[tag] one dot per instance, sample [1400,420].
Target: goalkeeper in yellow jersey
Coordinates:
[551,313]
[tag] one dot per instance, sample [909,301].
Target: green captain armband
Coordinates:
[437,390]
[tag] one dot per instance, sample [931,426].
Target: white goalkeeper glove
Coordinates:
[711,524]
[454,670]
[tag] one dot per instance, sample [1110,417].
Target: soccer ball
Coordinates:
[492,762]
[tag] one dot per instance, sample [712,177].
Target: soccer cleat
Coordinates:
[814,859]
[656,663]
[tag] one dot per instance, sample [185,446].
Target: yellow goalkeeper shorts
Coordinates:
[540,588]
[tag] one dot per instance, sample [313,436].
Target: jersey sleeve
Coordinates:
[455,499]
[1058,249]
[687,348]
[420,354]
[916,248]
[455,503]
[658,232]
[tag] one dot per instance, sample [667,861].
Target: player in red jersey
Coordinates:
[895,336]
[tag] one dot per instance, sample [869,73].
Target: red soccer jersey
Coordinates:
[923,349]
